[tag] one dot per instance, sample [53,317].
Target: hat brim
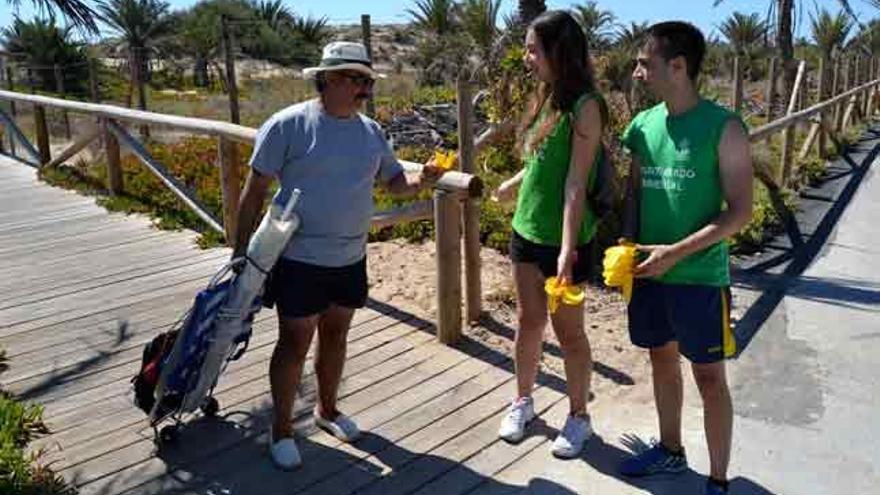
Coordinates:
[311,72]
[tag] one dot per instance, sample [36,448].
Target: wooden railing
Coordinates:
[455,207]
[456,194]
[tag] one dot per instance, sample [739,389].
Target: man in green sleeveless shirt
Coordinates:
[692,187]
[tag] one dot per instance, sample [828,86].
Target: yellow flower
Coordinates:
[444,160]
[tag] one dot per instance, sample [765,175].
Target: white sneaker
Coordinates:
[341,427]
[574,435]
[513,426]
[284,452]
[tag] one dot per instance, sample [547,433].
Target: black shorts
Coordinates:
[695,316]
[301,289]
[546,257]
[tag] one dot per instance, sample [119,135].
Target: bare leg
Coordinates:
[330,357]
[285,370]
[568,323]
[532,315]
[666,369]
[717,415]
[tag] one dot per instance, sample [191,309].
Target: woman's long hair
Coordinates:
[565,47]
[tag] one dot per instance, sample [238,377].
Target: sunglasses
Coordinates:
[359,79]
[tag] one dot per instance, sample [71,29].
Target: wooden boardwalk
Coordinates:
[82,290]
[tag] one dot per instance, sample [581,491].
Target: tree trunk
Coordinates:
[785,44]
[200,71]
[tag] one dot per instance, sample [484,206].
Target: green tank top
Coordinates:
[681,184]
[540,203]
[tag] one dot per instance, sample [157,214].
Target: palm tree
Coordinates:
[274,13]
[140,25]
[595,23]
[830,32]
[435,16]
[529,9]
[628,37]
[311,30]
[40,44]
[743,31]
[78,12]
[480,21]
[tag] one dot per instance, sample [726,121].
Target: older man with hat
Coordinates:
[333,154]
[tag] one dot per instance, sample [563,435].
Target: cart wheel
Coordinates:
[210,407]
[169,434]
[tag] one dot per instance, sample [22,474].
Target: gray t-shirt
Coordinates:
[334,162]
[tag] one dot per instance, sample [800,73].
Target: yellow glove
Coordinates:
[570,295]
[618,266]
[444,160]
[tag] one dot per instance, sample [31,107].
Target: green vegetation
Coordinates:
[21,472]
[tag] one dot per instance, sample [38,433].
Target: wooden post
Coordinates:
[40,124]
[367,34]
[231,83]
[771,87]
[93,81]
[114,162]
[844,86]
[869,76]
[788,133]
[835,90]
[823,93]
[59,87]
[230,181]
[737,85]
[10,85]
[447,222]
[471,220]
[857,99]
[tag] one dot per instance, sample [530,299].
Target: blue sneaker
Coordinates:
[713,488]
[656,460]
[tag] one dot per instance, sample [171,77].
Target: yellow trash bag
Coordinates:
[444,160]
[617,268]
[557,294]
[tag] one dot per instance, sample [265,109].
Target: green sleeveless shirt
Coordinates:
[540,203]
[681,184]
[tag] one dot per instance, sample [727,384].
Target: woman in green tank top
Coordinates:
[560,141]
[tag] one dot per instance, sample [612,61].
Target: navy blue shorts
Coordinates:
[696,316]
[523,250]
[301,289]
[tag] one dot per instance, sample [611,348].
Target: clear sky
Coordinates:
[699,12]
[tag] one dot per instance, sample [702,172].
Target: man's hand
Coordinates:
[661,258]
[430,174]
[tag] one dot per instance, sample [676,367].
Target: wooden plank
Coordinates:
[176,187]
[202,126]
[52,291]
[480,467]
[85,302]
[413,434]
[74,148]
[371,342]
[779,124]
[395,397]
[480,434]
[96,389]
[447,221]
[109,463]
[242,384]
[471,207]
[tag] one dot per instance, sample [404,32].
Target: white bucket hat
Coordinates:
[344,55]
